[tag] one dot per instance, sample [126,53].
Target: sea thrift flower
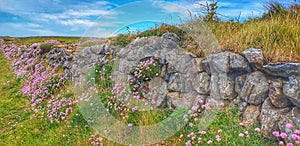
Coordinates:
[220,131]
[130,125]
[202,132]
[257,130]
[297,132]
[246,132]
[241,135]
[298,142]
[276,133]
[281,143]
[289,144]
[289,126]
[181,136]
[283,135]
[241,124]
[218,138]
[191,124]
[294,136]
[209,142]
[188,143]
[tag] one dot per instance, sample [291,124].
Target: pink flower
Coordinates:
[297,132]
[298,142]
[188,143]
[289,144]
[241,124]
[218,138]
[283,135]
[193,138]
[209,142]
[289,126]
[222,104]
[191,124]
[257,130]
[281,143]
[202,132]
[130,125]
[181,136]
[200,101]
[294,136]
[246,132]
[276,133]
[241,135]
[220,131]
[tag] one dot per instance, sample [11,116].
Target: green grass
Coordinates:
[30,40]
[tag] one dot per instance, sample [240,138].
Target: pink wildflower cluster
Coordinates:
[96,139]
[145,71]
[35,45]
[59,108]
[40,80]
[120,99]
[192,117]
[291,139]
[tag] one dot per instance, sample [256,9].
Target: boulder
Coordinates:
[269,118]
[278,99]
[255,89]
[251,114]
[282,69]
[222,86]
[171,36]
[239,83]
[255,57]
[175,83]
[201,83]
[292,89]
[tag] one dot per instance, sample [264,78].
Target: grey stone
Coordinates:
[238,63]
[269,118]
[282,69]
[226,62]
[239,83]
[226,86]
[255,57]
[175,83]
[255,89]
[171,36]
[251,114]
[201,83]
[157,92]
[292,89]
[220,62]
[278,99]
[222,86]
[243,106]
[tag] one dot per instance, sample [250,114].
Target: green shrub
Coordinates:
[45,48]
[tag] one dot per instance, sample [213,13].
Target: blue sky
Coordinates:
[100,18]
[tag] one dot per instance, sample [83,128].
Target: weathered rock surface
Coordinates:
[269,118]
[282,69]
[251,114]
[226,62]
[255,57]
[292,89]
[201,83]
[278,99]
[255,89]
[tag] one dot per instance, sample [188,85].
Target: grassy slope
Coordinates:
[16,128]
